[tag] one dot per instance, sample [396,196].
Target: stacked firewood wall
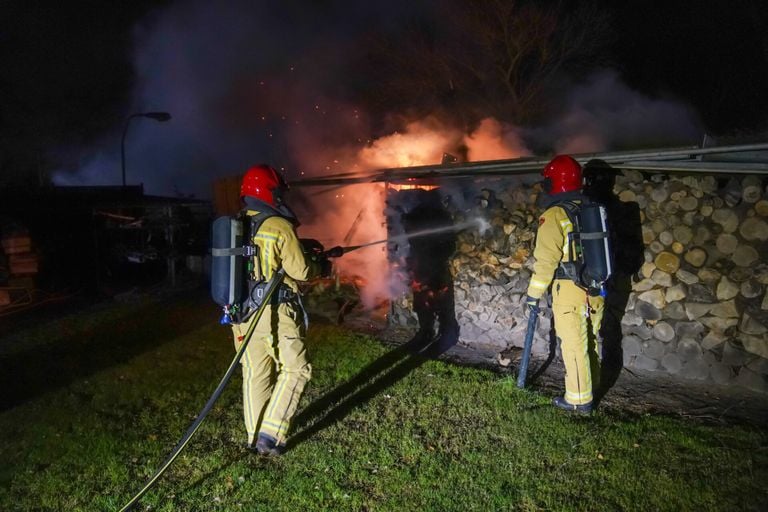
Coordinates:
[696,306]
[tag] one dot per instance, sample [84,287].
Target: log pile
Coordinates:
[696,306]
[492,270]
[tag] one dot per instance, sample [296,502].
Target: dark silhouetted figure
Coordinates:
[429,271]
[626,235]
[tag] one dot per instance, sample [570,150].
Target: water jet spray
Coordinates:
[481,224]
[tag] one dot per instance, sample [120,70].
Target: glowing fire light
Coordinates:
[357,215]
[408,186]
[411,184]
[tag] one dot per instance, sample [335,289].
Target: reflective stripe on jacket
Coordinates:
[279,247]
[551,248]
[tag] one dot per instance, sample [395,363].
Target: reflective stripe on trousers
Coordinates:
[577,323]
[275,370]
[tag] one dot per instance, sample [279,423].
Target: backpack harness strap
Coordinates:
[257,285]
[248,250]
[570,269]
[574,268]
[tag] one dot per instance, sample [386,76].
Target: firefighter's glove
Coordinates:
[334,252]
[532,304]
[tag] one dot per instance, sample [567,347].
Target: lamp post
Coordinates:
[157,116]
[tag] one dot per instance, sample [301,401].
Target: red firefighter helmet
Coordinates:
[563,174]
[264,183]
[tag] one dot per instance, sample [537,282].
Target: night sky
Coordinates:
[293,82]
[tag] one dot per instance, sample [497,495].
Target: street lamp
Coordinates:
[157,116]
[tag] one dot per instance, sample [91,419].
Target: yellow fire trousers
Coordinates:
[577,323]
[275,370]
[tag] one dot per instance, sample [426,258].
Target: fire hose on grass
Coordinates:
[268,292]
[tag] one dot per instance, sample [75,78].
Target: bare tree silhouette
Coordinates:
[493,57]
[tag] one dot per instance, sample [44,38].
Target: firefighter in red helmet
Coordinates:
[275,364]
[577,312]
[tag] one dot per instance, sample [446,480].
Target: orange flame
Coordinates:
[356,215]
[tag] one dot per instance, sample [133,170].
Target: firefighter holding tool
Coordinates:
[275,364]
[572,256]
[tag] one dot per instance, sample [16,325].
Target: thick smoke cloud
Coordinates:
[251,82]
[246,82]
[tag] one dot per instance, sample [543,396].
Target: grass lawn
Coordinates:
[378,429]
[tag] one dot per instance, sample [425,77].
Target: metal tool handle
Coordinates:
[533,318]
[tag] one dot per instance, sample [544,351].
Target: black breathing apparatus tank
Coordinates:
[590,254]
[235,267]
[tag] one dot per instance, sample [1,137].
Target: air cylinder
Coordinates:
[228,286]
[598,261]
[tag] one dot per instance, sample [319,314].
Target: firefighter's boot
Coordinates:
[268,446]
[562,403]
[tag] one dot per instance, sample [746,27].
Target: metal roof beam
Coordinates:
[622,160]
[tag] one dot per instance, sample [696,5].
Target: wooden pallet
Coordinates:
[23,264]
[16,244]
[21,261]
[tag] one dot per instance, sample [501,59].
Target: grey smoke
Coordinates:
[602,113]
[250,82]
[246,82]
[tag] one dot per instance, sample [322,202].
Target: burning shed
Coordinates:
[690,228]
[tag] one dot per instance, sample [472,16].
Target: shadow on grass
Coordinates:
[74,354]
[379,375]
